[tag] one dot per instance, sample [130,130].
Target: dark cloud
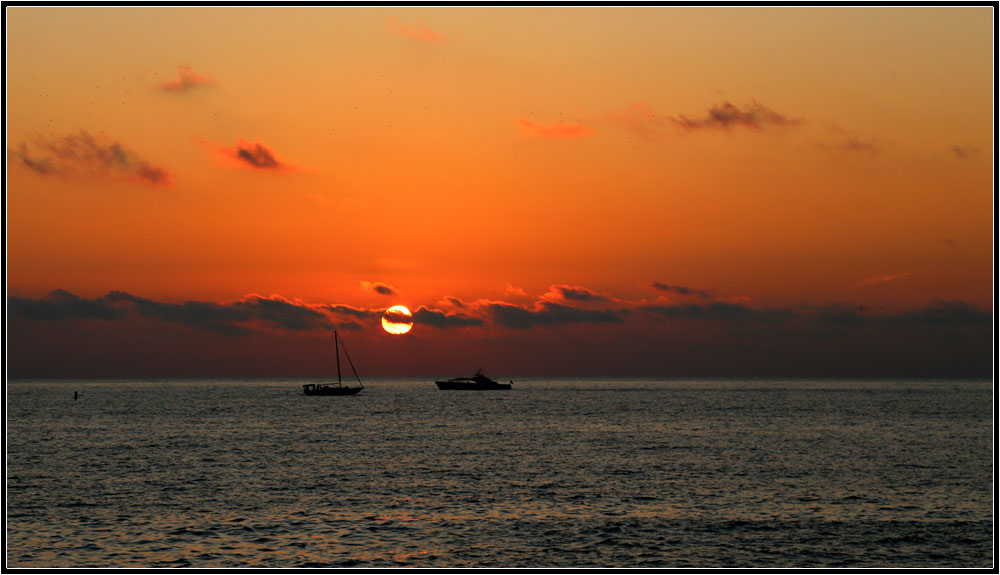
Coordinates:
[436,318]
[284,313]
[964,152]
[945,339]
[43,166]
[187,80]
[548,313]
[342,309]
[719,311]
[62,334]
[944,313]
[257,155]
[726,116]
[682,290]
[234,318]
[940,313]
[832,315]
[397,316]
[577,293]
[84,155]
[209,316]
[248,155]
[152,174]
[854,144]
[379,288]
[231,318]
[61,304]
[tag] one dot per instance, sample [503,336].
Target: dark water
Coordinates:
[630,473]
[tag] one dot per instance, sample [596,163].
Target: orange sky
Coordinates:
[761,157]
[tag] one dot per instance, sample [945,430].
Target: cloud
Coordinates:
[725,116]
[218,318]
[559,130]
[255,313]
[548,313]
[250,313]
[396,316]
[682,290]
[69,335]
[436,318]
[846,141]
[512,290]
[717,311]
[292,315]
[61,304]
[251,155]
[257,155]
[187,80]
[947,313]
[342,309]
[944,339]
[964,152]
[854,144]
[234,318]
[379,288]
[451,301]
[879,279]
[575,293]
[83,155]
[939,313]
[418,33]
[43,166]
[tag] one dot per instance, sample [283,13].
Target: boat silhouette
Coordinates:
[335,388]
[476,382]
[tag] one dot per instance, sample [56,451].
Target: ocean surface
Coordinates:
[556,472]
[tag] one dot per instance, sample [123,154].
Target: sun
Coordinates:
[397,320]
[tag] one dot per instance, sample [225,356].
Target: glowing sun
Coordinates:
[397,320]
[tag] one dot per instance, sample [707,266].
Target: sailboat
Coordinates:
[335,388]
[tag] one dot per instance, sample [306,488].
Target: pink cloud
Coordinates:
[879,279]
[187,80]
[513,290]
[559,130]
[418,33]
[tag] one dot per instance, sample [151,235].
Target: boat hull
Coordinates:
[470,385]
[312,389]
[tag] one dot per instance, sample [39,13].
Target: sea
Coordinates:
[557,472]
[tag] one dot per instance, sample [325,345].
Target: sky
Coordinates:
[648,191]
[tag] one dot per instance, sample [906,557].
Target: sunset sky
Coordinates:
[588,191]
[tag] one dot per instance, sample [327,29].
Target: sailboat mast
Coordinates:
[356,376]
[336,345]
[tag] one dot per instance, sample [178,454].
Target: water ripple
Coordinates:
[560,474]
